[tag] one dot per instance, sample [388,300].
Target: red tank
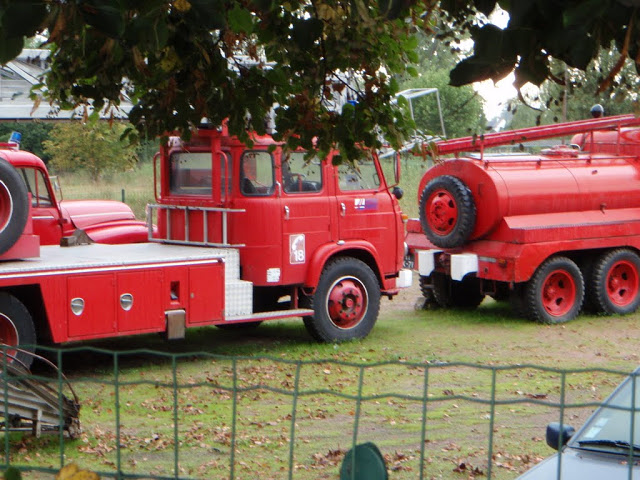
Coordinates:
[467,198]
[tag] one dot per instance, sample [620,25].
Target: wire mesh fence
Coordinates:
[153,415]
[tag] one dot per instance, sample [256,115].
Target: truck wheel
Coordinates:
[14,206]
[457,294]
[615,282]
[16,328]
[447,211]
[555,292]
[346,302]
[426,287]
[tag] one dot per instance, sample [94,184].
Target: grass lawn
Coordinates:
[444,394]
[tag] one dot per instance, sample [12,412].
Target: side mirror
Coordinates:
[558,437]
[397,192]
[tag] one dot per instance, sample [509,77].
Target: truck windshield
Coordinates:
[256,173]
[190,173]
[361,176]
[36,186]
[300,175]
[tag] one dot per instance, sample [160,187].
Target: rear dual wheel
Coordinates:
[458,294]
[555,292]
[614,287]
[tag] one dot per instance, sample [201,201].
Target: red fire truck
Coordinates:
[245,234]
[551,231]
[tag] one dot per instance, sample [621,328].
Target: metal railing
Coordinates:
[205,224]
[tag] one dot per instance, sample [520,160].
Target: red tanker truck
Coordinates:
[550,231]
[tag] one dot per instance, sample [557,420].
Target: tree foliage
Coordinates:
[462,107]
[33,134]
[95,147]
[574,100]
[182,60]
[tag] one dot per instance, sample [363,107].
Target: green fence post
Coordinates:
[491,421]
[176,454]
[293,419]
[60,408]
[233,420]
[5,375]
[116,370]
[423,433]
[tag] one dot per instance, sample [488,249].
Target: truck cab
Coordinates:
[312,233]
[104,221]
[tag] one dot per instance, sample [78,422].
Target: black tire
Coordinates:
[346,302]
[450,293]
[555,292]
[428,300]
[14,206]
[614,286]
[16,329]
[447,211]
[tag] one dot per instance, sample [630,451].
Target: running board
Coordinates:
[255,317]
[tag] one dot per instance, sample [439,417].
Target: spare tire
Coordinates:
[447,211]
[14,206]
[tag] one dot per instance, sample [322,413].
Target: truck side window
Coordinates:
[256,173]
[361,176]
[300,175]
[190,173]
[36,186]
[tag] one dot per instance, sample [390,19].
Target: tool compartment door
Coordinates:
[91,309]
[206,294]
[139,301]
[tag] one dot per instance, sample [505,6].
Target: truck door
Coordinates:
[366,210]
[44,209]
[259,227]
[306,211]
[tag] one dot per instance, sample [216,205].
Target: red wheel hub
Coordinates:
[622,283]
[8,335]
[347,303]
[6,206]
[558,293]
[442,212]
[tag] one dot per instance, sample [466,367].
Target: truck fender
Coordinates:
[120,232]
[360,249]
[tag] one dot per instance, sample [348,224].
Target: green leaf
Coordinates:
[240,20]
[277,76]
[10,48]
[209,14]
[306,32]
[23,18]
[105,16]
[412,71]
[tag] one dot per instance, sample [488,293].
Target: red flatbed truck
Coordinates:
[551,231]
[245,234]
